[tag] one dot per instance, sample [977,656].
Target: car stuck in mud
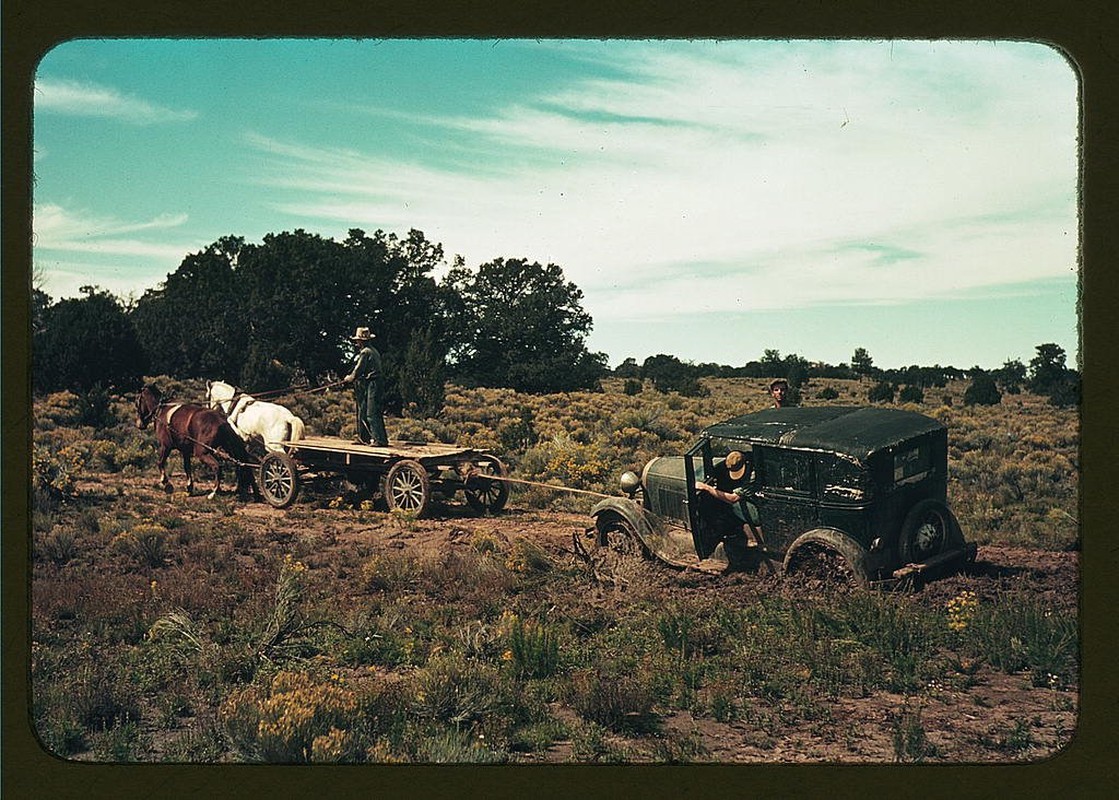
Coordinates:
[855,494]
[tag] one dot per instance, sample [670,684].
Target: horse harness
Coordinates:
[171,409]
[156,414]
[237,407]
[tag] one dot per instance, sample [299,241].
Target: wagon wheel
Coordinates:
[483,494]
[406,487]
[929,529]
[277,478]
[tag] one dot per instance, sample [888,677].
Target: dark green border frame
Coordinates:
[1087,31]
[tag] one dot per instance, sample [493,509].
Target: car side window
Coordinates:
[697,465]
[842,480]
[787,471]
[912,464]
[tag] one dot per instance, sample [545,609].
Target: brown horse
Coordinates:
[193,430]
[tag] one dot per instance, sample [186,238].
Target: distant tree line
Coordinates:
[280,313]
[1047,375]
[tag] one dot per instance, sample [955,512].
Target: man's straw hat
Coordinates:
[361,335]
[736,465]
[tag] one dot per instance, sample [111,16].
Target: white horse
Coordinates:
[251,417]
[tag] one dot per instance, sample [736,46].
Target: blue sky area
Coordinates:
[712,199]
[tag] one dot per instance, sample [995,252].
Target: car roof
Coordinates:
[856,431]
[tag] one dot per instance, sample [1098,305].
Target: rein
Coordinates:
[289,391]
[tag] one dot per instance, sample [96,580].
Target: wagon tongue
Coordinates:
[939,565]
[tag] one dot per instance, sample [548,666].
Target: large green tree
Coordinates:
[521,325]
[670,374]
[1049,376]
[295,286]
[85,343]
[1047,368]
[281,311]
[861,362]
[1010,376]
[196,323]
[983,390]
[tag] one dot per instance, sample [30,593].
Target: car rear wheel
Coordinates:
[828,557]
[929,530]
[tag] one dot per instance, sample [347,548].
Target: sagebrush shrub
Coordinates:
[454,690]
[388,572]
[534,648]
[456,747]
[614,699]
[283,721]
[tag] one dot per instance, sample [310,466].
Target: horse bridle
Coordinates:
[151,415]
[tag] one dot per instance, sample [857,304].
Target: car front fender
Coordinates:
[669,543]
[629,510]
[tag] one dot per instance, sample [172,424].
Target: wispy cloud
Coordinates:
[91,100]
[806,175]
[62,277]
[56,228]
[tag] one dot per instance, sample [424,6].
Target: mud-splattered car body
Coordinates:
[862,487]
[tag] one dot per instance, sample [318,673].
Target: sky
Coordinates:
[712,199]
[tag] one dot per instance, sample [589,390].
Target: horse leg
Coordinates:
[245,483]
[164,481]
[187,469]
[210,461]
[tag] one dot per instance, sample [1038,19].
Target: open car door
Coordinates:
[698,465]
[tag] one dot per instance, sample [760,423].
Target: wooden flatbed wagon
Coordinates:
[407,474]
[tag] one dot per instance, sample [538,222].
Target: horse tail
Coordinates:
[295,429]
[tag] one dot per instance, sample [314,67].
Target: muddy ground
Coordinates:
[994,718]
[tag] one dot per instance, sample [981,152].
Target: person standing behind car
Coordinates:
[779,391]
[368,383]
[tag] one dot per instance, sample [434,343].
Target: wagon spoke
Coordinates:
[406,487]
[278,479]
[484,493]
[408,492]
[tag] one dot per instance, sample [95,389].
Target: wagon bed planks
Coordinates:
[397,449]
[404,473]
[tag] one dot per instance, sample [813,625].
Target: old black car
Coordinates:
[850,491]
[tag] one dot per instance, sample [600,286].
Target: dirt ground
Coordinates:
[994,718]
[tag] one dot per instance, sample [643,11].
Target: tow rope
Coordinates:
[507,479]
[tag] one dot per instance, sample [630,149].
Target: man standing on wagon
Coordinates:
[368,384]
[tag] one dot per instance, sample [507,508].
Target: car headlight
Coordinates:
[630,482]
